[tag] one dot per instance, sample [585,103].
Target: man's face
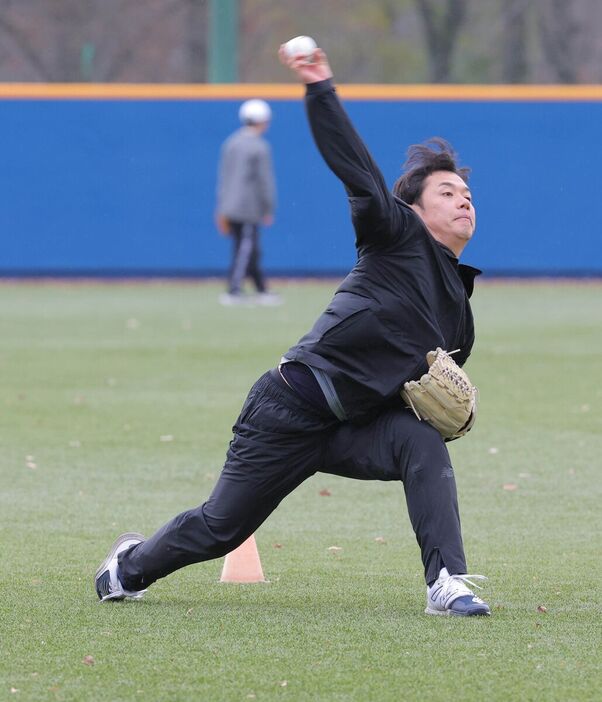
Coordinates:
[447,210]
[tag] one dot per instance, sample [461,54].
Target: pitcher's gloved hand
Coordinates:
[444,396]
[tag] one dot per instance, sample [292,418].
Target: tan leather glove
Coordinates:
[444,397]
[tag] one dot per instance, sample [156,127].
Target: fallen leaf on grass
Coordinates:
[166,438]
[32,465]
[380,540]
[510,486]
[88,660]
[14,689]
[493,450]
[334,549]
[277,545]
[325,492]
[284,683]
[542,608]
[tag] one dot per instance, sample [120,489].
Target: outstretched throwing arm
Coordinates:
[375,215]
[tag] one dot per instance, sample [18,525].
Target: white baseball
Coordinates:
[300,46]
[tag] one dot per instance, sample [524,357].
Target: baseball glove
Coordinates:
[444,396]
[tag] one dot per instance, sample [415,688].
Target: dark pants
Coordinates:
[279,441]
[246,257]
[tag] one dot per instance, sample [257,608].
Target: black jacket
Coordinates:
[407,293]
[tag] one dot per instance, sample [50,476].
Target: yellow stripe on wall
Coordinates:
[277,91]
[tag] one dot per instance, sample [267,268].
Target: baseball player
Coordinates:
[370,392]
[246,198]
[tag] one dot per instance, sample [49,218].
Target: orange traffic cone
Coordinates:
[243,565]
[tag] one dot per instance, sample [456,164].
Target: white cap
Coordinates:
[255,112]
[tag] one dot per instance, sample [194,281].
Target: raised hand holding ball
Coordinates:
[301,46]
[309,67]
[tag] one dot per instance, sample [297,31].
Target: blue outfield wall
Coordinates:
[112,187]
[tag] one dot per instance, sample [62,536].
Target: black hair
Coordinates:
[435,154]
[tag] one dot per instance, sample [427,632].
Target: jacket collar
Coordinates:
[467,275]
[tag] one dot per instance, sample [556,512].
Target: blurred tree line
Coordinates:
[368,41]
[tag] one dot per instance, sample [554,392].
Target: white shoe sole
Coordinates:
[438,612]
[450,613]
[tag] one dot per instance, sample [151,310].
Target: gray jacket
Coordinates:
[246,190]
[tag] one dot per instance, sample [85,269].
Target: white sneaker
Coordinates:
[106,580]
[269,299]
[449,595]
[231,299]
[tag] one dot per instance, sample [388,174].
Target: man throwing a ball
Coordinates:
[334,403]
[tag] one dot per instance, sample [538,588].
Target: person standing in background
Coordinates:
[246,198]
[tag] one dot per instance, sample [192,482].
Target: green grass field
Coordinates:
[117,403]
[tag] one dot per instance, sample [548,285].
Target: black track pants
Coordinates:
[279,441]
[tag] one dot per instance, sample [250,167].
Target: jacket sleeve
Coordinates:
[265,180]
[376,215]
[220,190]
